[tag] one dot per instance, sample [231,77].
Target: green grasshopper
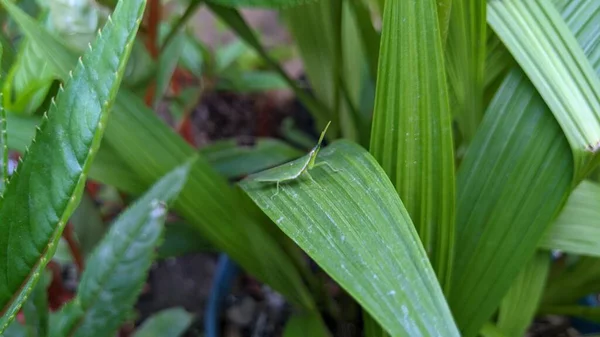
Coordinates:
[295,169]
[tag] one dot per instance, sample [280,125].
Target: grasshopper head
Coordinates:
[313,153]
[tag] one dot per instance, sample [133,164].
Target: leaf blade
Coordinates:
[412,134]
[385,267]
[108,290]
[39,171]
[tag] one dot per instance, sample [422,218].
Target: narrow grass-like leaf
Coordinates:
[305,324]
[576,229]
[549,54]
[465,50]
[137,137]
[229,231]
[512,182]
[310,26]
[369,36]
[573,283]
[54,170]
[167,323]
[235,161]
[118,267]
[520,304]
[412,133]
[167,62]
[349,219]
[507,196]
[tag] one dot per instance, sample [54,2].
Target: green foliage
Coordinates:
[483,157]
[72,132]
[390,282]
[119,264]
[412,136]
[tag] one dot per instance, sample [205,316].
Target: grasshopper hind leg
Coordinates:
[277,192]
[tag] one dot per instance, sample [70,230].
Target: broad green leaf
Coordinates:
[412,132]
[465,55]
[235,161]
[167,323]
[305,324]
[118,267]
[72,132]
[520,304]
[227,230]
[36,308]
[350,220]
[576,229]
[549,54]
[137,137]
[513,181]
[109,168]
[261,3]
[237,23]
[573,283]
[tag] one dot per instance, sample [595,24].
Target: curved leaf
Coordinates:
[138,137]
[44,192]
[465,51]
[576,229]
[412,133]
[512,182]
[118,267]
[349,219]
[305,324]
[549,54]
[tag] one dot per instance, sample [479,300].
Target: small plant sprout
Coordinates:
[293,170]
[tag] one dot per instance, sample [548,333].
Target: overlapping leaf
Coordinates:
[42,195]
[349,219]
[118,267]
[549,54]
[465,50]
[261,3]
[513,181]
[138,137]
[576,230]
[412,134]
[520,304]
